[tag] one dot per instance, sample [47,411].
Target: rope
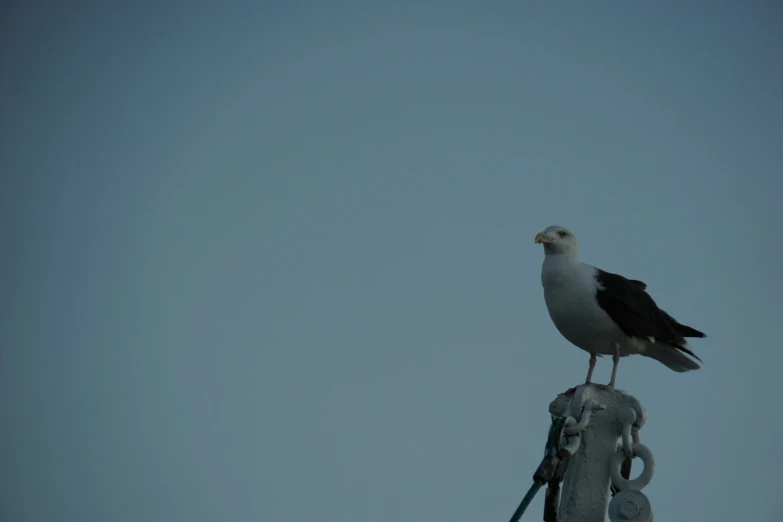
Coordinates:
[546,470]
[526,501]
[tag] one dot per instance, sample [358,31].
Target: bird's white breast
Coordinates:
[569,292]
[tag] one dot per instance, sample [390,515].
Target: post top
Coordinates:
[618,404]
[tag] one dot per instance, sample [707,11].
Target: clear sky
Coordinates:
[274,261]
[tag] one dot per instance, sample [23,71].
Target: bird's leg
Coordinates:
[590,368]
[589,375]
[615,361]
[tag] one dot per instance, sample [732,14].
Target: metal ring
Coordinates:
[628,418]
[571,446]
[646,456]
[627,441]
[587,411]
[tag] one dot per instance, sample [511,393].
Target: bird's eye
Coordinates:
[562,233]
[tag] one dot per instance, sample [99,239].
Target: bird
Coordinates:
[607,314]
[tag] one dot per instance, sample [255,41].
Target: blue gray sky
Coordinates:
[275,261]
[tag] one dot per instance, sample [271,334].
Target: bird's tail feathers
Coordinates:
[673,356]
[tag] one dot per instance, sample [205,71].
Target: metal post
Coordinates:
[599,418]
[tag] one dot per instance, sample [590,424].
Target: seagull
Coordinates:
[607,314]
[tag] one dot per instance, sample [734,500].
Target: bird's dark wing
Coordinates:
[638,283]
[637,314]
[685,331]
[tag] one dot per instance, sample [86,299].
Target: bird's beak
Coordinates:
[542,238]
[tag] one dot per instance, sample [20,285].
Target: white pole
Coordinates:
[596,462]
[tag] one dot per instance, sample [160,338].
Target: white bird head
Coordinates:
[558,240]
